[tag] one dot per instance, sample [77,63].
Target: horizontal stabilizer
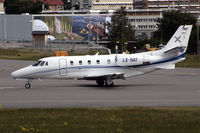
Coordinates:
[176,50]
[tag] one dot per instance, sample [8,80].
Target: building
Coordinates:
[1,6]
[144,21]
[15,28]
[54,5]
[166,4]
[150,6]
[111,4]
[85,4]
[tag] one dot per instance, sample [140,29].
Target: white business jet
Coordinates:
[105,68]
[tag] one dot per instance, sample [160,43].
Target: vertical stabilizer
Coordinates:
[180,38]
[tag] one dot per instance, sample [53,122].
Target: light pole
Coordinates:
[5,32]
[97,32]
[198,42]
[116,47]
[161,39]
[123,38]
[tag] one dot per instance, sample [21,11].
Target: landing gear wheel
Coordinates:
[100,82]
[109,85]
[27,86]
[112,84]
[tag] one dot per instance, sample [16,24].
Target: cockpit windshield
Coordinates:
[41,63]
[37,63]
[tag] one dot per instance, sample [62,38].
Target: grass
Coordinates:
[24,54]
[35,54]
[110,120]
[192,61]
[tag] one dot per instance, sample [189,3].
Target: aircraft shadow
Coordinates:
[94,86]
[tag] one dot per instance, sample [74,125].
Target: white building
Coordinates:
[1,6]
[111,4]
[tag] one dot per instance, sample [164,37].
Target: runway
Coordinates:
[179,87]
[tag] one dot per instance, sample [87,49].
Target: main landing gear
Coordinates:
[28,85]
[105,82]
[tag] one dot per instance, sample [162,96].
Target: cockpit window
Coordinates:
[46,64]
[42,63]
[37,63]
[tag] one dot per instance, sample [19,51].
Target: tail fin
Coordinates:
[180,39]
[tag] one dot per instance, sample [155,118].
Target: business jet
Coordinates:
[105,68]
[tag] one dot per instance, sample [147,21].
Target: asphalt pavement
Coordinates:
[179,87]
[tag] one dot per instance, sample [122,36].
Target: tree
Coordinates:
[120,30]
[67,4]
[12,6]
[23,6]
[171,21]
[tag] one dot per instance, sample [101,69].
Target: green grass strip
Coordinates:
[192,61]
[105,120]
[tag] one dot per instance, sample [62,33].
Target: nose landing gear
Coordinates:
[28,85]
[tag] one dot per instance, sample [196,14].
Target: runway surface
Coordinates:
[179,87]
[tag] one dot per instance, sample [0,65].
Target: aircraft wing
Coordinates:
[110,75]
[114,75]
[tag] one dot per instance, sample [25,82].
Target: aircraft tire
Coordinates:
[27,86]
[109,85]
[100,82]
[112,84]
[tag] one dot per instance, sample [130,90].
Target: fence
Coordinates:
[54,46]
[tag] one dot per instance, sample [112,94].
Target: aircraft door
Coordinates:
[62,67]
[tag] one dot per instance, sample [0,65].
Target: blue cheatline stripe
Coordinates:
[102,66]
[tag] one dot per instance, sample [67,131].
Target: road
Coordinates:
[179,87]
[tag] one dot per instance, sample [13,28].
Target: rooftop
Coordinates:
[51,2]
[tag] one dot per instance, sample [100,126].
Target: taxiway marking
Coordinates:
[3,88]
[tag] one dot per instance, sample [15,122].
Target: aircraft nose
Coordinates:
[14,75]
[17,74]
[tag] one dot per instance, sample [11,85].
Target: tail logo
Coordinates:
[177,39]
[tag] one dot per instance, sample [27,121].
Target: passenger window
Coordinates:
[89,62]
[80,62]
[108,61]
[71,63]
[42,63]
[46,64]
[98,61]
[36,63]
